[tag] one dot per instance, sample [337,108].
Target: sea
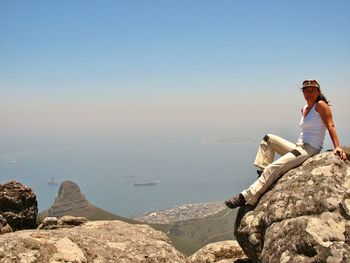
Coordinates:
[185,168]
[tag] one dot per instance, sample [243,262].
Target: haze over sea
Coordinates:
[188,169]
[109,93]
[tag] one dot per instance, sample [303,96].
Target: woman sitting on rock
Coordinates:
[316,119]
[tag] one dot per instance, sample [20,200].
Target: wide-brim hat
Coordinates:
[311,83]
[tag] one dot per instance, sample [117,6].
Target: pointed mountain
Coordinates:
[71,201]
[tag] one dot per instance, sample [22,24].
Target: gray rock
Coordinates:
[49,223]
[95,242]
[346,203]
[303,218]
[219,252]
[72,221]
[18,205]
[4,227]
[347,151]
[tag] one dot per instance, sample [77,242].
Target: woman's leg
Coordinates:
[273,171]
[267,148]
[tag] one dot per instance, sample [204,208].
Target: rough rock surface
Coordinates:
[65,221]
[223,252]
[18,205]
[92,242]
[69,200]
[303,218]
[4,227]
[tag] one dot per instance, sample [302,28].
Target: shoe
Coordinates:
[235,201]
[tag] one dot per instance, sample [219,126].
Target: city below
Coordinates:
[181,212]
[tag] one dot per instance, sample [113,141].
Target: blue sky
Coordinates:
[73,65]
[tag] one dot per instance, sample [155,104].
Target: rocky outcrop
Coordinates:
[97,242]
[303,218]
[50,223]
[18,205]
[219,252]
[4,227]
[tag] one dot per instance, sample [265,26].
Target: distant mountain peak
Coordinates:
[67,189]
[70,200]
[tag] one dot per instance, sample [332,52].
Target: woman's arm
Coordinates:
[326,114]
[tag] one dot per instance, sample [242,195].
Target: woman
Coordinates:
[316,119]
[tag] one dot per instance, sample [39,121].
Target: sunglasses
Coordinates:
[311,82]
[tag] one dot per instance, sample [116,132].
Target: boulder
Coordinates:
[304,217]
[4,227]
[18,205]
[219,252]
[97,242]
[72,220]
[50,223]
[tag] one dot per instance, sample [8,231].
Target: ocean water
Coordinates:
[188,169]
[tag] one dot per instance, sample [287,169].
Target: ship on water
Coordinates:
[150,183]
[52,181]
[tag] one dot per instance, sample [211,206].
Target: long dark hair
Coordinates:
[323,98]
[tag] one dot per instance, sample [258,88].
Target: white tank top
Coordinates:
[313,128]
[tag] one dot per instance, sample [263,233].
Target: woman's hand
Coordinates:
[339,151]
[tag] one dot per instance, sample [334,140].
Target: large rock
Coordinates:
[4,227]
[92,242]
[50,223]
[303,218]
[18,205]
[219,252]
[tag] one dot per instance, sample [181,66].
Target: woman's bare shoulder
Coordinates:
[322,106]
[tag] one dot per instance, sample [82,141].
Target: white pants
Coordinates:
[292,155]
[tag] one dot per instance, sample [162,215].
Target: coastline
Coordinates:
[181,213]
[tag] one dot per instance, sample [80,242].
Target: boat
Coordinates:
[12,161]
[52,181]
[146,183]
